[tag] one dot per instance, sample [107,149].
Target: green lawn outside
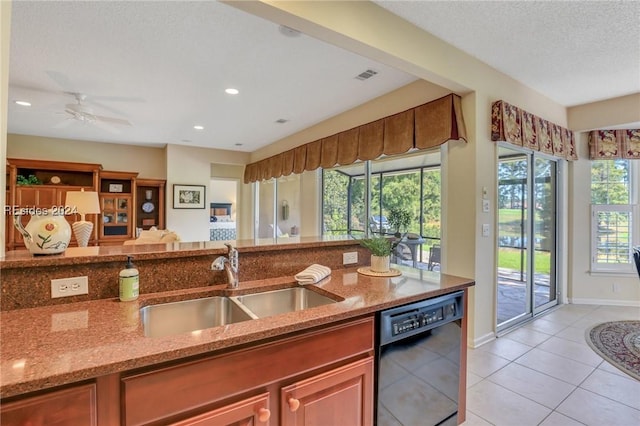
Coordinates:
[509,258]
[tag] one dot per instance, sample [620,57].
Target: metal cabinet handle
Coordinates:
[264,414]
[294,404]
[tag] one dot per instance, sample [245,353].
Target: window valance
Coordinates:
[612,144]
[422,127]
[519,127]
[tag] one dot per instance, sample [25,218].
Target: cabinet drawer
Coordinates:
[76,406]
[192,385]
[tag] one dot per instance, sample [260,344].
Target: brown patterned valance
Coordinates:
[519,127]
[422,127]
[612,144]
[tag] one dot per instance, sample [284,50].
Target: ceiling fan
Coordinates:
[81,112]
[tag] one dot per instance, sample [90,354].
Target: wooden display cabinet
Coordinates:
[44,184]
[150,203]
[117,198]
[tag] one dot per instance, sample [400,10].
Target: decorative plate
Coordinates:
[366,270]
[55,179]
[148,207]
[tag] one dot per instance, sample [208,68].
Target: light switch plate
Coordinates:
[350,258]
[485,229]
[485,206]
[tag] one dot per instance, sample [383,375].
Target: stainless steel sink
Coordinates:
[189,315]
[277,302]
[197,314]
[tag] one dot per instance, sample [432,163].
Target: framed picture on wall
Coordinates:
[189,196]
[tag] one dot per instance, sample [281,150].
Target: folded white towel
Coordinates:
[312,274]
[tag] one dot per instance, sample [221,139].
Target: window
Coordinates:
[408,183]
[614,217]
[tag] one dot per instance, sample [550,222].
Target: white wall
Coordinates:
[5,36]
[149,162]
[192,166]
[224,191]
[244,204]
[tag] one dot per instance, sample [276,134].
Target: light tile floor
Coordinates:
[544,373]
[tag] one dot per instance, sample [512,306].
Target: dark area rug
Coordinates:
[618,342]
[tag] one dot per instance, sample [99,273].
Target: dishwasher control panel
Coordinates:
[419,316]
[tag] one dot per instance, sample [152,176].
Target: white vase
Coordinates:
[379,263]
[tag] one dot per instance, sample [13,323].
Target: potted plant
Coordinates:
[399,219]
[381,249]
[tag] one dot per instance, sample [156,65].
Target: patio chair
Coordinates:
[434,256]
[401,253]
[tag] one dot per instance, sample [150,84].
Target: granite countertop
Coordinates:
[99,254]
[54,345]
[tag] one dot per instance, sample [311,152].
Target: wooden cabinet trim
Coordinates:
[75,405]
[245,412]
[53,165]
[209,380]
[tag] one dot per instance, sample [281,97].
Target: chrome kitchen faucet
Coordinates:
[229,265]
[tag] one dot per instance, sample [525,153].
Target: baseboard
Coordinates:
[489,337]
[606,302]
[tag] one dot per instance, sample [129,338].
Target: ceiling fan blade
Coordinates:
[115,98]
[104,126]
[64,124]
[105,107]
[111,120]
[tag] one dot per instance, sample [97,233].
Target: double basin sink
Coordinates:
[197,314]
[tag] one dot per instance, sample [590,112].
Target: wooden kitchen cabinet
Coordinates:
[74,406]
[247,412]
[307,365]
[343,396]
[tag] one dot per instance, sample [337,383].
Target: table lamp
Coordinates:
[83,203]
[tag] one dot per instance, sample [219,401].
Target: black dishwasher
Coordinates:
[418,362]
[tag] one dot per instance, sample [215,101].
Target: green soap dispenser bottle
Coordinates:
[129,282]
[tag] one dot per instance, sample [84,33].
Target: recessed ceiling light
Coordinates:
[23,103]
[232,91]
[185,140]
[237,144]
[281,120]
[198,127]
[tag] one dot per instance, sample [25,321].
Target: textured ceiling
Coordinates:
[164,65]
[574,52]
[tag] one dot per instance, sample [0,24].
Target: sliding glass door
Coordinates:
[527,193]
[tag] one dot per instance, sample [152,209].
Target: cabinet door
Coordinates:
[33,196]
[116,216]
[343,396]
[248,412]
[76,406]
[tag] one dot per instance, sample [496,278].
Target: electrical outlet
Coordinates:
[349,258]
[485,229]
[64,287]
[615,287]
